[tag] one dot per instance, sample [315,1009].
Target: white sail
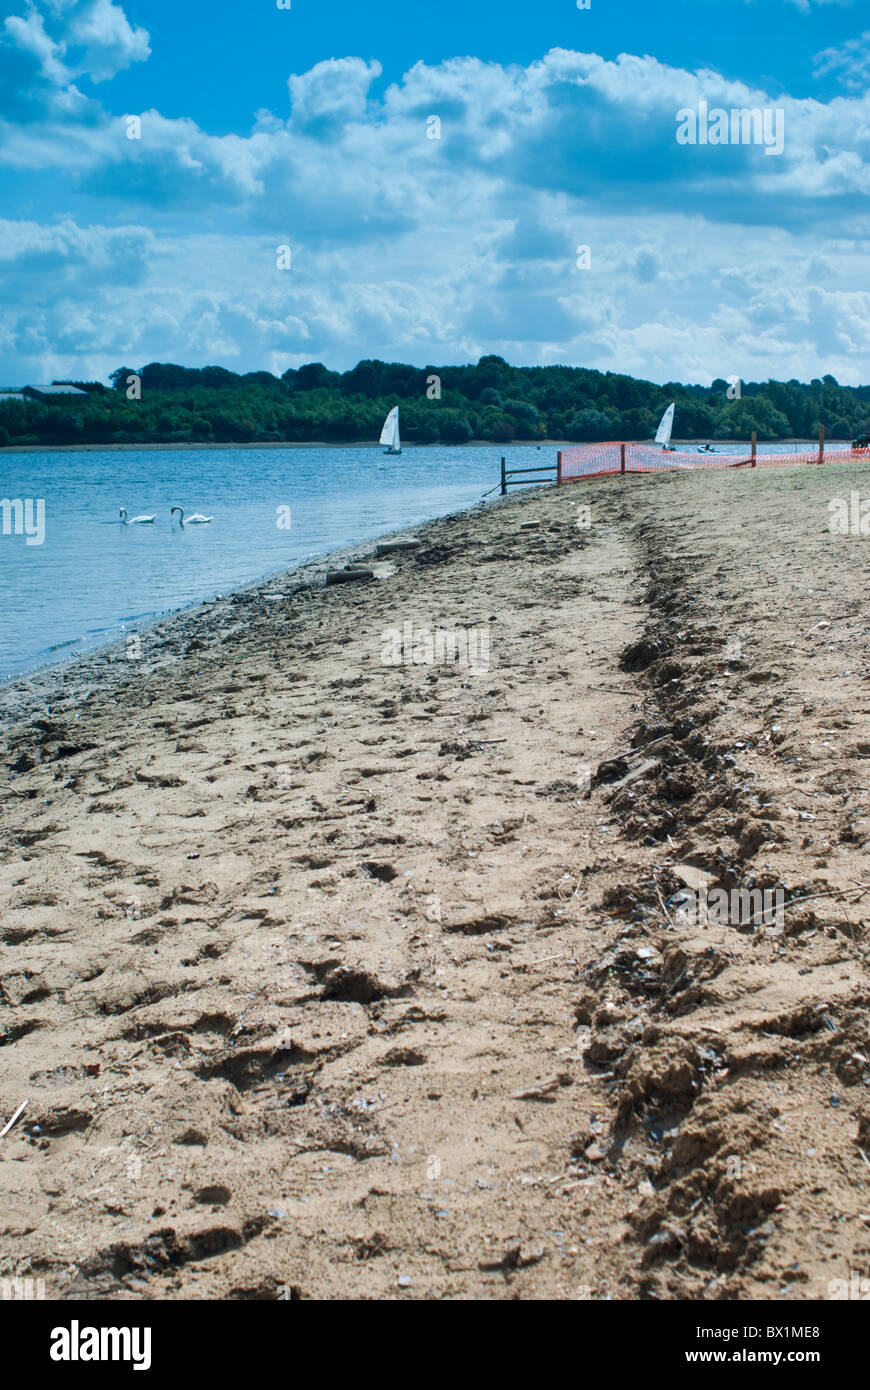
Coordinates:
[390,432]
[666,424]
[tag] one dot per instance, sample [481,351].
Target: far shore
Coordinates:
[270,444]
[186,445]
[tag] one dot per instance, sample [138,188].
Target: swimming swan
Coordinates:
[135,520]
[196,518]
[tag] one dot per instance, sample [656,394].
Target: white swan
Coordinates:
[195,518]
[135,520]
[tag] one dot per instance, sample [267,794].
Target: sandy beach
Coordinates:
[331,967]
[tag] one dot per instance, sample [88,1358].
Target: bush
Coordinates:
[501,431]
[589,425]
[455,430]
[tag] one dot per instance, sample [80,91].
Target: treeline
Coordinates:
[165,403]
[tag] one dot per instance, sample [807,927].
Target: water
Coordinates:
[741,449]
[92,577]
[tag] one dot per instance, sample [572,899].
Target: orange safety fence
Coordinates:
[597,460]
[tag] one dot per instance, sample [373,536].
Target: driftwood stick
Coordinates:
[628,752]
[662,901]
[828,893]
[18,1112]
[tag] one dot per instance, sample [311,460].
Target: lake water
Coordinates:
[91,576]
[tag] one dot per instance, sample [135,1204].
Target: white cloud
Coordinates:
[28,34]
[705,261]
[44,51]
[851,60]
[571,124]
[331,92]
[109,40]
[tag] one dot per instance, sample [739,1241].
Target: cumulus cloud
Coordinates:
[331,94]
[108,40]
[419,248]
[37,250]
[54,42]
[572,124]
[851,61]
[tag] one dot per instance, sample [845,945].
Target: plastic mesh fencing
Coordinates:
[596,460]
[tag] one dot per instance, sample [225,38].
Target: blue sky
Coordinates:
[310,128]
[769,42]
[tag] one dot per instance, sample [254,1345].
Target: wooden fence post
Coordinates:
[754,442]
[558,466]
[622,458]
[503,481]
[821,443]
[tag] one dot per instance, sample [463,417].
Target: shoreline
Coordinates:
[322,559]
[189,445]
[307,575]
[181,446]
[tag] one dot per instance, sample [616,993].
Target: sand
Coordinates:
[327,977]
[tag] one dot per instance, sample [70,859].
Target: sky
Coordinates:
[338,180]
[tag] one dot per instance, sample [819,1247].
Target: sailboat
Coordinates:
[390,433]
[666,424]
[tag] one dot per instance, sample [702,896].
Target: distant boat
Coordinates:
[390,433]
[666,424]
